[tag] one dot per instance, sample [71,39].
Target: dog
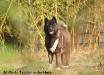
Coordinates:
[57,41]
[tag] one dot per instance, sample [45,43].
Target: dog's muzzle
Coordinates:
[52,32]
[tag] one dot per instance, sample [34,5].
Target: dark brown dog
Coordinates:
[57,41]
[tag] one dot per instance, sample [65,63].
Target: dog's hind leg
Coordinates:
[65,60]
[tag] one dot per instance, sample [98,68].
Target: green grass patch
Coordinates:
[7,52]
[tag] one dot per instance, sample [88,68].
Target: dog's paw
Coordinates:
[58,68]
[50,67]
[63,66]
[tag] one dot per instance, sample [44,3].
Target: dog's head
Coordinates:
[50,26]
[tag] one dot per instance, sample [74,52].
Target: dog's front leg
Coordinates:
[50,56]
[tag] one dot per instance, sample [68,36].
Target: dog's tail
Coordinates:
[62,24]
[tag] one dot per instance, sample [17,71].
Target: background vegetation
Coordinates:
[22,35]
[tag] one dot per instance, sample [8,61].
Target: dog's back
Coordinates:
[64,37]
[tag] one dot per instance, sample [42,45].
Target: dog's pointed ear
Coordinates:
[46,20]
[54,20]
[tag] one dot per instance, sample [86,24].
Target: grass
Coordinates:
[7,52]
[82,62]
[12,60]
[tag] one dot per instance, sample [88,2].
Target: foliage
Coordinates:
[21,31]
[23,20]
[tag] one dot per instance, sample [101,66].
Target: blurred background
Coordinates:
[22,33]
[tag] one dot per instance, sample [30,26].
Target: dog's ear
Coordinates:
[54,20]
[46,20]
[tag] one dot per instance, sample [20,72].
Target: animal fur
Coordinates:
[57,41]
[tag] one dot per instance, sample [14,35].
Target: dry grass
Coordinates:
[82,62]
